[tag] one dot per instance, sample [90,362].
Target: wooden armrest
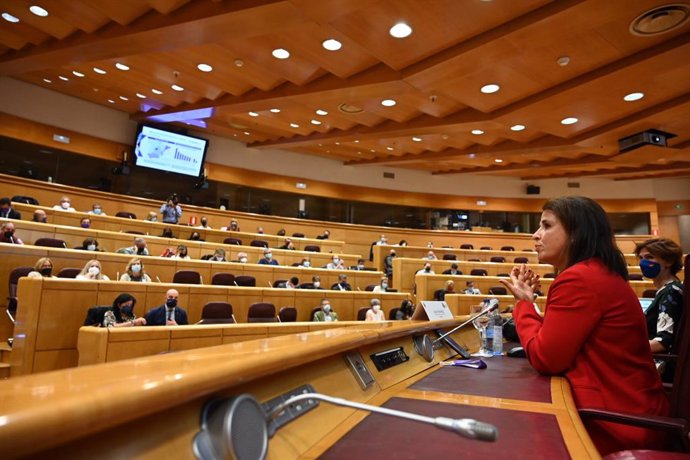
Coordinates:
[656,422]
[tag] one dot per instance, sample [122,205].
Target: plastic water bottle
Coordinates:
[497,323]
[489,331]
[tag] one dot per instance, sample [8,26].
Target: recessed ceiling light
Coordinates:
[569,121]
[63,78]
[247,133]
[477,132]
[490,88]
[400,30]
[47,80]
[253,114]
[77,74]
[274,110]
[471,155]
[124,98]
[563,61]
[121,66]
[9,18]
[280,53]
[332,44]
[517,128]
[321,112]
[177,87]
[111,101]
[38,11]
[294,125]
[99,71]
[204,67]
[498,160]
[141,96]
[315,122]
[417,139]
[633,97]
[356,141]
[239,63]
[389,148]
[372,150]
[156,91]
[388,102]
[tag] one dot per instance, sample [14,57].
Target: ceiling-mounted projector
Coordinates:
[648,137]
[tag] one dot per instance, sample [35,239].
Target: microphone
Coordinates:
[493,305]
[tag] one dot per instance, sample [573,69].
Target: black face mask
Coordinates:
[9,234]
[140,251]
[171,303]
[46,271]
[127,309]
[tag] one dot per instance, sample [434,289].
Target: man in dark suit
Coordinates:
[168,314]
[342,284]
[6,210]
[453,270]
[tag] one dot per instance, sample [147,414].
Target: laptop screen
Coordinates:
[645,303]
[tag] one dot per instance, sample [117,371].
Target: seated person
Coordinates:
[336,263]
[139,248]
[152,216]
[326,313]
[292,283]
[92,271]
[89,244]
[218,256]
[65,204]
[388,263]
[315,283]
[431,256]
[305,262]
[405,311]
[7,234]
[430,245]
[268,259]
[195,236]
[453,270]
[85,222]
[382,240]
[360,265]
[204,224]
[449,289]
[426,270]
[97,210]
[233,226]
[135,272]
[241,258]
[40,216]
[288,244]
[260,230]
[324,236]
[168,314]
[470,289]
[342,284]
[402,243]
[382,286]
[120,314]
[167,233]
[281,232]
[182,253]
[6,210]
[375,313]
[43,268]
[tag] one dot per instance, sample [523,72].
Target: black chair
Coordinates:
[370,287]
[135,232]
[677,425]
[259,243]
[245,280]
[236,241]
[649,293]
[474,260]
[306,286]
[187,277]
[503,275]
[68,272]
[217,313]
[223,279]
[362,313]
[466,246]
[507,248]
[50,243]
[486,248]
[287,314]
[521,260]
[498,290]
[450,257]
[278,283]
[440,294]
[312,248]
[635,277]
[126,215]
[15,274]
[298,235]
[498,259]
[392,313]
[478,272]
[262,312]
[24,199]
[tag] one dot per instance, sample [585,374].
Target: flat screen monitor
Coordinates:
[646,303]
[169,151]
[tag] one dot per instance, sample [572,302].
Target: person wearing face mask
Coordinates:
[288,244]
[342,284]
[120,314]
[426,270]
[233,226]
[135,272]
[405,311]
[6,210]
[241,258]
[92,271]
[204,224]
[168,314]
[431,256]
[40,216]
[382,286]
[65,205]
[86,222]
[96,210]
[171,210]
[182,253]
[89,244]
[660,261]
[326,313]
[218,256]
[138,249]
[360,265]
[268,259]
[305,263]
[42,269]
[336,263]
[7,234]
[375,313]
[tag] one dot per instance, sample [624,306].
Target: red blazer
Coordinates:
[594,333]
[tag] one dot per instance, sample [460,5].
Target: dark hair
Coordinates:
[4,200]
[665,249]
[122,298]
[589,232]
[294,280]
[167,232]
[89,241]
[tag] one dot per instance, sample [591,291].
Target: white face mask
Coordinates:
[336,261]
[360,266]
[136,268]
[243,260]
[91,247]
[94,270]
[377,308]
[65,204]
[384,285]
[317,284]
[307,264]
[326,308]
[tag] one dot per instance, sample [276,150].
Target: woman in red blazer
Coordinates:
[594,331]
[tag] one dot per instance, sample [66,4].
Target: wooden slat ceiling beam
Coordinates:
[441,122]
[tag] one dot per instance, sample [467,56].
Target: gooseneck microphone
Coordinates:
[466,427]
[493,305]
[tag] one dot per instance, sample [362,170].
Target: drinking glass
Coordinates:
[480,324]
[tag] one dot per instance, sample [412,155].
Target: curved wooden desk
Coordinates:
[150,407]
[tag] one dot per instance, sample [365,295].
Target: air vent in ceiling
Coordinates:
[660,20]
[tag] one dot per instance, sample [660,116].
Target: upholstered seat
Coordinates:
[50,243]
[187,277]
[217,313]
[223,279]
[262,312]
[68,272]
[287,314]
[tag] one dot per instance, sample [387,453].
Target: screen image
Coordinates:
[645,303]
[172,152]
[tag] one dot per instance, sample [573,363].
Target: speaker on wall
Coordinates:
[533,190]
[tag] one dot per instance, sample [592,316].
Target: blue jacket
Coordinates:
[157,316]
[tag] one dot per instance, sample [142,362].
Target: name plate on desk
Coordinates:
[432,310]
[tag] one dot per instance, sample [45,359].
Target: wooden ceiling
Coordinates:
[434,76]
